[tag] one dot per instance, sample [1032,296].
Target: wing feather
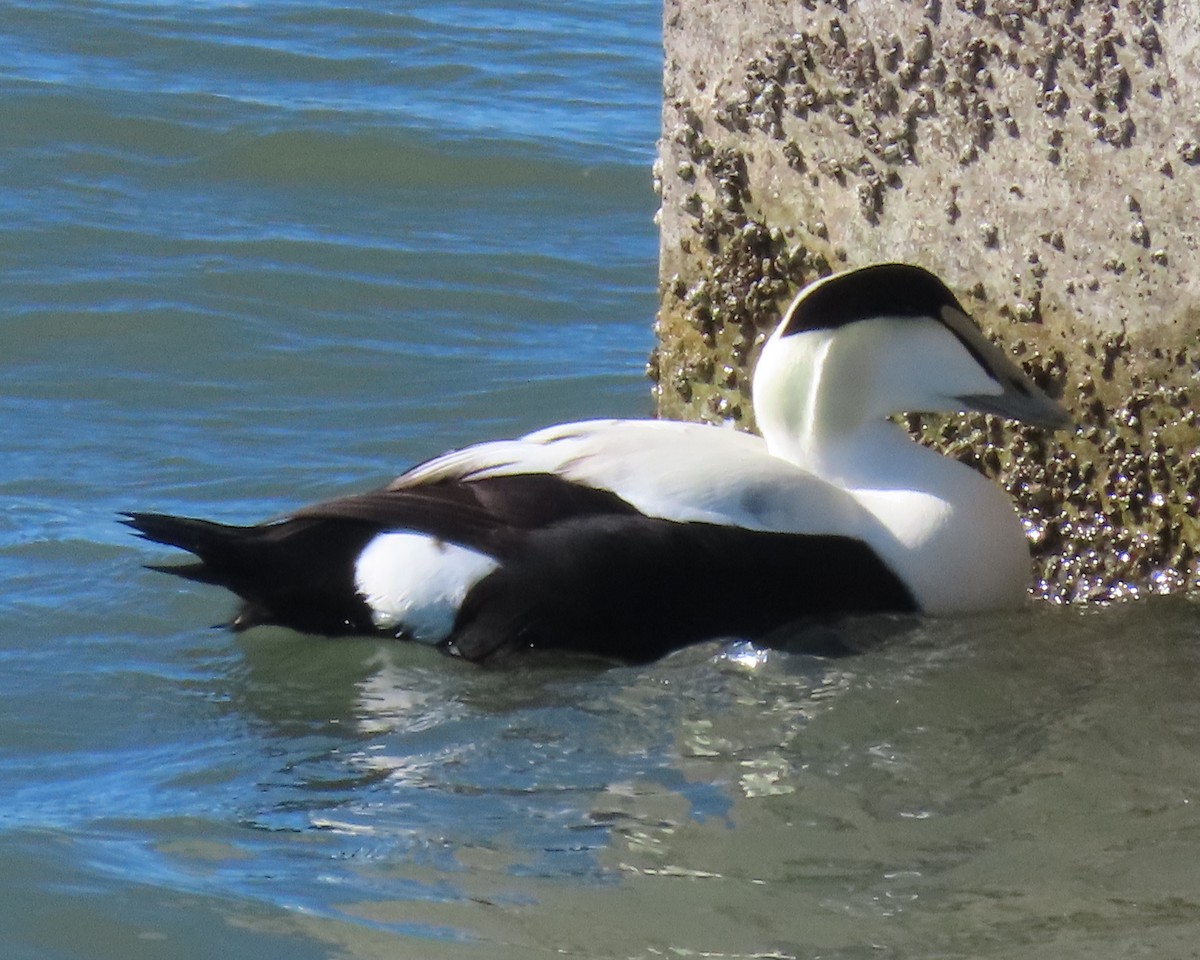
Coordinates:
[666,469]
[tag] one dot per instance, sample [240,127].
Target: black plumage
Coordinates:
[880,290]
[635,588]
[579,568]
[297,572]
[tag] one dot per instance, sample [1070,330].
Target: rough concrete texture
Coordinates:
[1042,156]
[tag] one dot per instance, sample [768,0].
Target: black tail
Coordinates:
[207,540]
[297,572]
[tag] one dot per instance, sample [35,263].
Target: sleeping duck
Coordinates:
[631,538]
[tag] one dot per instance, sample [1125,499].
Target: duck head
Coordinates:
[856,347]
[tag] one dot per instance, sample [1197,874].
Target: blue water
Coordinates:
[257,254]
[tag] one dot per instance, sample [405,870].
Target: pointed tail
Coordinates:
[296,572]
[211,542]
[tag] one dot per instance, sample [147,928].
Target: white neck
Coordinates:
[954,535]
[955,532]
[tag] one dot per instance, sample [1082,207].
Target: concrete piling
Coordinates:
[1041,156]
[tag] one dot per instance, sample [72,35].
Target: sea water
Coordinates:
[256,254]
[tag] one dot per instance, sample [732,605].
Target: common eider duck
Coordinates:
[632,538]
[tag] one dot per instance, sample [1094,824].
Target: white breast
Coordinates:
[960,557]
[953,535]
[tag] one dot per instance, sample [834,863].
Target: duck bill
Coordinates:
[1016,396]
[1034,408]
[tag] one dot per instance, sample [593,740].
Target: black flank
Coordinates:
[635,588]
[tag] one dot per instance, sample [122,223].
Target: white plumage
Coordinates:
[414,584]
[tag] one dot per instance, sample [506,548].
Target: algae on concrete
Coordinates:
[1042,156]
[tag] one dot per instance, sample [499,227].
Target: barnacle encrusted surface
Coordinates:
[1042,156]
